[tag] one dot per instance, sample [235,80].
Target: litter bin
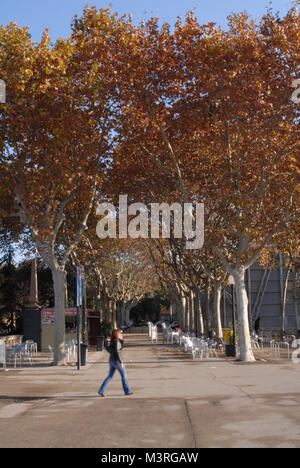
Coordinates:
[230,350]
[83,354]
[100,343]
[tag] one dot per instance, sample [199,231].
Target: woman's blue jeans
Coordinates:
[113,366]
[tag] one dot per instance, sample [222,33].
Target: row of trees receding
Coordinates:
[191,114]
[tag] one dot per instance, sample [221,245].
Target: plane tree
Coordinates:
[212,111]
[56,136]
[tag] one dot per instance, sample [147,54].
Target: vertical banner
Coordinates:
[79,316]
[79,286]
[3,353]
[2,92]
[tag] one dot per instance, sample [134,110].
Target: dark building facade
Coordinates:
[266,296]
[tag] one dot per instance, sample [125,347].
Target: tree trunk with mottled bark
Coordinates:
[284,303]
[199,314]
[246,352]
[59,282]
[217,310]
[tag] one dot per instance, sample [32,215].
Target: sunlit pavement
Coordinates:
[177,403]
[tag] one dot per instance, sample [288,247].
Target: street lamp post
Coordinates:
[232,284]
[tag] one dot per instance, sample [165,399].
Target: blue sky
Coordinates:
[57,14]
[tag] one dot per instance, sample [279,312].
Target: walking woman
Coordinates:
[115,363]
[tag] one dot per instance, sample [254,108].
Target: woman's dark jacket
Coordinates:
[114,349]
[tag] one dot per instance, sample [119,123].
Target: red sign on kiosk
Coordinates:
[48,315]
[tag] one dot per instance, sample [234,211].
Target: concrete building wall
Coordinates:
[271,306]
[271,301]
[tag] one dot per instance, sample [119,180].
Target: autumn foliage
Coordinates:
[163,115]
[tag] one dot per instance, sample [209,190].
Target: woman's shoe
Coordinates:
[101,395]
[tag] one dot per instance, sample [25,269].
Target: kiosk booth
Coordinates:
[48,326]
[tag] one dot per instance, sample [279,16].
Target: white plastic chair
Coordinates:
[154,334]
[19,352]
[255,343]
[198,349]
[212,348]
[68,350]
[278,346]
[31,346]
[188,345]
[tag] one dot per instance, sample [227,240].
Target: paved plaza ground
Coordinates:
[177,403]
